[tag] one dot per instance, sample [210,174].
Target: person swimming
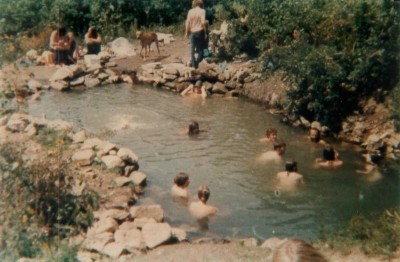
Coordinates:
[315,136]
[289,179]
[274,155]
[180,187]
[271,135]
[371,170]
[330,158]
[199,209]
[198,89]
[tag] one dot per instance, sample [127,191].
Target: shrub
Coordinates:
[38,206]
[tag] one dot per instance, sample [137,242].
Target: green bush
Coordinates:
[335,52]
[38,206]
[379,234]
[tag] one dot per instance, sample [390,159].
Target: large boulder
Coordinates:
[155,234]
[97,242]
[122,47]
[150,211]
[84,157]
[112,161]
[130,238]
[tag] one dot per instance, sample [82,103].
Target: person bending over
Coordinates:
[93,41]
[60,46]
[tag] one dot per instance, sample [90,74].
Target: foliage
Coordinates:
[396,107]
[38,206]
[376,235]
[335,52]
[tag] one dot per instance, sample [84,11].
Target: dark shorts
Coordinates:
[61,57]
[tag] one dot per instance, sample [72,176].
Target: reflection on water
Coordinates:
[149,121]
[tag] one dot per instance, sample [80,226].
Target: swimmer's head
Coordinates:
[203,193]
[194,128]
[280,148]
[291,166]
[271,134]
[315,135]
[328,154]
[181,179]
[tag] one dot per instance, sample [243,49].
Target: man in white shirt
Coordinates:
[195,26]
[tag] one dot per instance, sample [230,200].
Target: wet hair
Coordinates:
[198,3]
[198,83]
[279,145]
[194,128]
[181,179]
[328,154]
[203,193]
[291,166]
[92,32]
[271,131]
[375,158]
[62,31]
[297,250]
[317,138]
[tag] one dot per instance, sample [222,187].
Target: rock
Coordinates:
[316,125]
[219,88]
[32,54]
[120,199]
[171,69]
[102,76]
[140,222]
[122,47]
[4,120]
[232,93]
[130,238]
[34,85]
[150,211]
[169,77]
[138,178]
[63,73]
[372,139]
[155,234]
[59,125]
[79,137]
[84,157]
[92,143]
[249,242]
[112,161]
[92,61]
[106,224]
[97,242]
[272,243]
[305,122]
[86,256]
[91,82]
[77,82]
[107,146]
[113,152]
[113,249]
[117,214]
[122,181]
[127,155]
[59,85]
[125,226]
[17,123]
[151,66]
[111,64]
[128,170]
[179,234]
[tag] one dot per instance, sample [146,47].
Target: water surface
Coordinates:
[148,121]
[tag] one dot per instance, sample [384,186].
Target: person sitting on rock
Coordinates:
[371,170]
[315,136]
[274,155]
[199,209]
[289,179]
[198,89]
[271,135]
[60,45]
[93,41]
[297,250]
[179,189]
[330,158]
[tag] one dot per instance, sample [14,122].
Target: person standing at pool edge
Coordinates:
[195,26]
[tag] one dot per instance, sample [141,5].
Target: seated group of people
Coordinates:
[64,48]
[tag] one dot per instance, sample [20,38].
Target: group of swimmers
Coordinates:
[64,48]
